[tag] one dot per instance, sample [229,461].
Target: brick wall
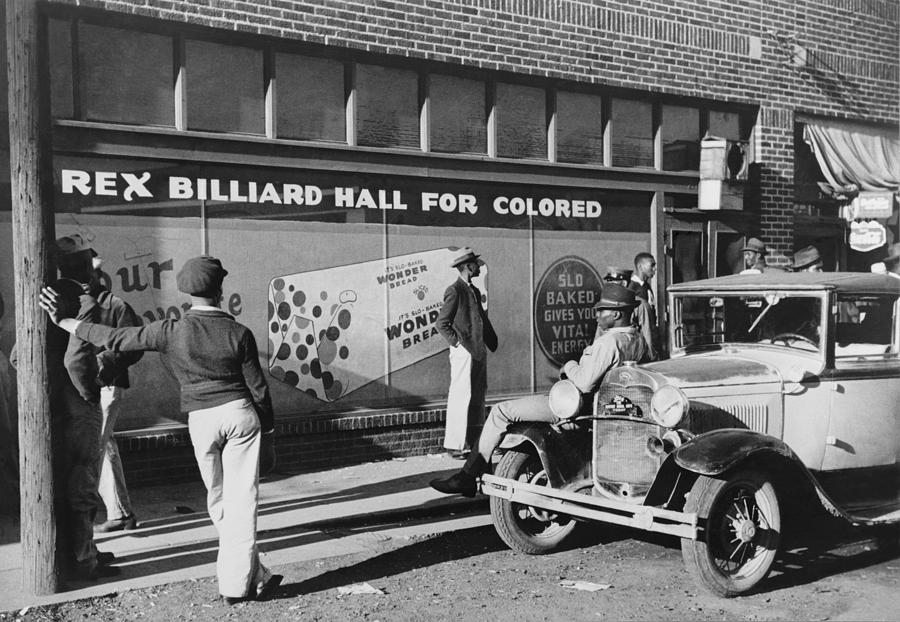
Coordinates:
[303,444]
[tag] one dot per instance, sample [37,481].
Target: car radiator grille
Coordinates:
[706,417]
[620,451]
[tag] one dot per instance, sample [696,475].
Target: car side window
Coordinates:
[865,326]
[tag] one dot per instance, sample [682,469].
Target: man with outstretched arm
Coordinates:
[230,416]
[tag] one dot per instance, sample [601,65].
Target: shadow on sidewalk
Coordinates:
[171,558]
[199,518]
[447,547]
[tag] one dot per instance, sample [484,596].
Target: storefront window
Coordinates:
[579,128]
[681,138]
[632,133]
[310,98]
[458,123]
[387,107]
[225,88]
[521,122]
[126,76]
[61,98]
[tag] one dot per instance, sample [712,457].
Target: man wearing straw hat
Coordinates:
[617,342]
[465,325]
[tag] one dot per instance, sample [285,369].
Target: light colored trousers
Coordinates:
[111,486]
[226,444]
[532,408]
[465,399]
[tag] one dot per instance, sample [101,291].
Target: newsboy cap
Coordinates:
[201,276]
[756,245]
[463,255]
[614,296]
[806,257]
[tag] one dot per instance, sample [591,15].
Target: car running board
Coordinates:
[648,518]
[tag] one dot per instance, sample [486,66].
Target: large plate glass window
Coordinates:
[632,133]
[225,88]
[387,107]
[310,98]
[458,120]
[126,76]
[681,138]
[61,93]
[579,128]
[521,122]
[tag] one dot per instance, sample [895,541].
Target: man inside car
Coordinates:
[618,341]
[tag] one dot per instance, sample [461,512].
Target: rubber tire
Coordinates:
[706,499]
[514,529]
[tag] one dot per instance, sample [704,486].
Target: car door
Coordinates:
[861,465]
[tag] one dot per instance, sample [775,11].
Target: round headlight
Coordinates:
[668,406]
[565,399]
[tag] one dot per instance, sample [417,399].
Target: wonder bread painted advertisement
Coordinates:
[334,330]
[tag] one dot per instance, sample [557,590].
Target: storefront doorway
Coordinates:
[699,247]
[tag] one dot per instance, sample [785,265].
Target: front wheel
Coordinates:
[740,531]
[526,529]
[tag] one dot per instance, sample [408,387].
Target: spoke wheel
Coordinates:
[524,528]
[741,532]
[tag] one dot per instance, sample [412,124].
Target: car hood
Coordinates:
[716,369]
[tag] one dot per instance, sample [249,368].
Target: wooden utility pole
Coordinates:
[33,228]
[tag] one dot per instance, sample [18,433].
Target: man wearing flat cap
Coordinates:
[755,253]
[807,259]
[465,325]
[618,342]
[216,362]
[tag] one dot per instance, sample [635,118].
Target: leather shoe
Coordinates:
[269,586]
[118,524]
[458,454]
[234,600]
[105,558]
[459,483]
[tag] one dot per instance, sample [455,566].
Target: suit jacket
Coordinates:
[463,320]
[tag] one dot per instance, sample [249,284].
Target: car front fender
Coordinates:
[564,450]
[715,452]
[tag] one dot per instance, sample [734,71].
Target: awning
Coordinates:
[855,157]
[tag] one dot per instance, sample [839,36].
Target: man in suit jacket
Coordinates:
[465,325]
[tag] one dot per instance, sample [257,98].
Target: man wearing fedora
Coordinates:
[618,341]
[230,418]
[807,260]
[755,253]
[465,325]
[642,316]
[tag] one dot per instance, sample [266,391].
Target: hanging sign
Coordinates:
[867,236]
[870,205]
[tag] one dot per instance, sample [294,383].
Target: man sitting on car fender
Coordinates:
[619,341]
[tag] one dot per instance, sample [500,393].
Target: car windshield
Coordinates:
[775,318]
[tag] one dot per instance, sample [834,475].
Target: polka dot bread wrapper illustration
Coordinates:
[329,328]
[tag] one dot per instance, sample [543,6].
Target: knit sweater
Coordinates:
[214,358]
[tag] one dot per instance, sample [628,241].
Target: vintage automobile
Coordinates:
[781,389]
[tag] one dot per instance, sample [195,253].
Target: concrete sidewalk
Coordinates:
[301,517]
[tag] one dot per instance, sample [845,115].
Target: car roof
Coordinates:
[844,282]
